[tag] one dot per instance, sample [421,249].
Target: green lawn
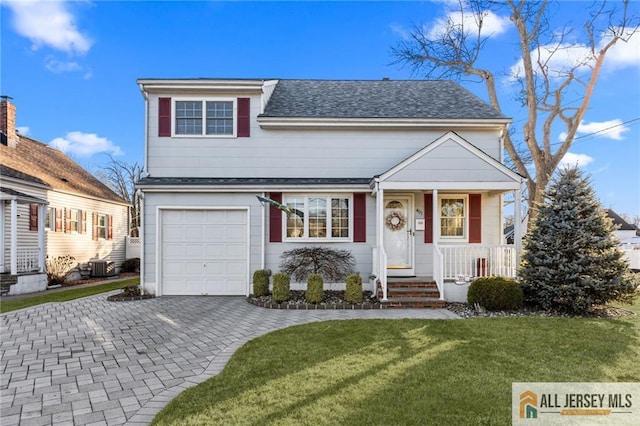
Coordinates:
[406,372]
[63,296]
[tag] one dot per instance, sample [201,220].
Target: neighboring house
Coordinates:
[625,231]
[52,207]
[406,175]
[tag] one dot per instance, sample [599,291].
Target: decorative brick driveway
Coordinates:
[90,361]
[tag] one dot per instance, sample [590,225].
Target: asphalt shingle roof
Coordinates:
[43,164]
[425,99]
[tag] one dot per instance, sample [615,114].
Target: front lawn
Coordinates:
[406,372]
[63,296]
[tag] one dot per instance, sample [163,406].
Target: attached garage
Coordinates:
[204,251]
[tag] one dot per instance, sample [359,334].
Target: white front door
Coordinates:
[398,234]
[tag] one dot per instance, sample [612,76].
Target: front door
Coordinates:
[398,234]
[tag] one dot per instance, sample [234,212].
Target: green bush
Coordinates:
[353,293]
[261,282]
[495,293]
[281,287]
[315,289]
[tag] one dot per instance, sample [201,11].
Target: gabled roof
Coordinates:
[423,99]
[7,171]
[34,161]
[619,221]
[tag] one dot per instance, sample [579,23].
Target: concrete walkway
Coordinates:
[94,362]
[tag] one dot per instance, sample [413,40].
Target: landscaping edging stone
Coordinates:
[121,298]
[314,306]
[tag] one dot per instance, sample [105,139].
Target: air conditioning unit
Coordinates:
[102,268]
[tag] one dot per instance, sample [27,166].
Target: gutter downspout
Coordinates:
[145,95]
[263,238]
[140,194]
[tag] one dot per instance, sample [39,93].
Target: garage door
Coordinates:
[204,252]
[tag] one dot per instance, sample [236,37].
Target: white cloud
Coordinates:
[623,53]
[57,66]
[48,23]
[560,58]
[571,159]
[611,129]
[85,144]
[23,130]
[492,24]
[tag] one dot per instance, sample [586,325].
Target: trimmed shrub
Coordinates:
[315,290]
[261,282]
[353,293]
[495,293]
[281,287]
[131,265]
[333,265]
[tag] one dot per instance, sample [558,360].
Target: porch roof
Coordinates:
[21,197]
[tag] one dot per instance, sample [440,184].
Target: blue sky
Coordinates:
[71,68]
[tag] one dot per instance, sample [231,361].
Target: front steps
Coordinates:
[415,292]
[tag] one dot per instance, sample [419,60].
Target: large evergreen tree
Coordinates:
[572,260]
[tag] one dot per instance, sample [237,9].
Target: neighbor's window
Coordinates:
[50,219]
[318,217]
[452,217]
[74,220]
[102,226]
[200,117]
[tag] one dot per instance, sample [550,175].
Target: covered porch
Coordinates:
[444,225]
[22,226]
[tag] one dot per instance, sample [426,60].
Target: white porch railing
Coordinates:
[477,261]
[27,260]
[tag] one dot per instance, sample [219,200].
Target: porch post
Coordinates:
[382,264]
[517,225]
[14,236]
[2,205]
[435,219]
[42,211]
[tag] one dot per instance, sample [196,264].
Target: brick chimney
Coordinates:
[8,122]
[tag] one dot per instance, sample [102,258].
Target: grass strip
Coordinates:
[63,296]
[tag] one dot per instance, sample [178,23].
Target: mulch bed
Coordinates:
[333,299]
[466,311]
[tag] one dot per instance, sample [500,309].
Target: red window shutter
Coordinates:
[58,220]
[359,217]
[275,219]
[164,117]
[67,220]
[95,226]
[109,227]
[84,221]
[475,218]
[244,106]
[428,218]
[33,217]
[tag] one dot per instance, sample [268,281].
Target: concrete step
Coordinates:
[412,292]
[413,302]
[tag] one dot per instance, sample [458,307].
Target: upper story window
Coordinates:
[318,217]
[204,117]
[453,217]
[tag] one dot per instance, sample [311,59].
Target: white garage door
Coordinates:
[204,252]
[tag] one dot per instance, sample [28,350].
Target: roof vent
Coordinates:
[385,79]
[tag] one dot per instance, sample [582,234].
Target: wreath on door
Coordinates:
[395,221]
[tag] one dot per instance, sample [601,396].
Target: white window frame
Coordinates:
[204,100]
[465,231]
[78,221]
[51,215]
[105,227]
[328,197]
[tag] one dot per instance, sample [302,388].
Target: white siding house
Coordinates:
[50,207]
[406,175]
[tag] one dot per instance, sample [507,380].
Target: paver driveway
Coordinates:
[90,361]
